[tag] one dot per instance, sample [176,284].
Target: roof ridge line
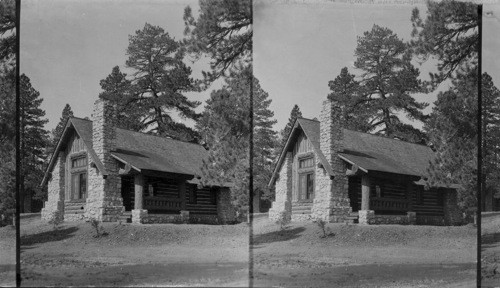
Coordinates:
[144,133]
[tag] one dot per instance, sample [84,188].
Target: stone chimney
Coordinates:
[104,201]
[331,201]
[103,130]
[331,134]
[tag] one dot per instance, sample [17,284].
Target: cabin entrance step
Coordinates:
[352,218]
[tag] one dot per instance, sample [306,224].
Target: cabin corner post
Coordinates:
[365,214]
[452,214]
[412,215]
[282,205]
[226,213]
[54,206]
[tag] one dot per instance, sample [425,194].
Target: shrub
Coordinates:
[283,221]
[99,231]
[322,225]
[55,219]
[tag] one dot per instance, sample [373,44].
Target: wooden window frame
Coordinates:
[81,170]
[304,172]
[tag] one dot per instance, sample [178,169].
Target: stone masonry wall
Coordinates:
[282,202]
[55,199]
[331,200]
[226,213]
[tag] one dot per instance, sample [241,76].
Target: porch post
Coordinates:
[139,215]
[365,192]
[365,214]
[138,189]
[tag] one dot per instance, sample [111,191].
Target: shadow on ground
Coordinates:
[278,236]
[48,236]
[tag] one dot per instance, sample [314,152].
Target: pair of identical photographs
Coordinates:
[139,122]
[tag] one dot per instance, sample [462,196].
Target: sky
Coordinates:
[299,47]
[68,46]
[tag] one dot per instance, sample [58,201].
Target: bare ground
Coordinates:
[490,249]
[7,256]
[363,256]
[134,255]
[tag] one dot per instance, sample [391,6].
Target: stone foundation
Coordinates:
[138,215]
[430,220]
[74,217]
[366,216]
[301,217]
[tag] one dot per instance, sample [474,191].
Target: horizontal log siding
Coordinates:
[164,188]
[203,205]
[430,206]
[396,190]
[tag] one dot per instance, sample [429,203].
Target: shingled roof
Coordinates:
[144,151]
[370,152]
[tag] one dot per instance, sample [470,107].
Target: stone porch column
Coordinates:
[365,214]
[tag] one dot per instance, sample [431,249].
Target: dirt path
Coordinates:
[134,255]
[7,256]
[490,249]
[364,256]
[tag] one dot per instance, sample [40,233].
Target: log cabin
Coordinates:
[99,171]
[338,175]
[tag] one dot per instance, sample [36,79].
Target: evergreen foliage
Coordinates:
[154,94]
[225,130]
[223,31]
[450,33]
[383,92]
[34,140]
[452,130]
[57,132]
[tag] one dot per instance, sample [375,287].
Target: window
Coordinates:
[79,162]
[306,186]
[78,178]
[378,191]
[79,185]
[306,163]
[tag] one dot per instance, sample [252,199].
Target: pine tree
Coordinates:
[155,90]
[223,31]
[450,33]
[57,132]
[34,140]
[355,114]
[387,80]
[118,89]
[225,129]
[491,135]
[7,147]
[265,142]
[452,130]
